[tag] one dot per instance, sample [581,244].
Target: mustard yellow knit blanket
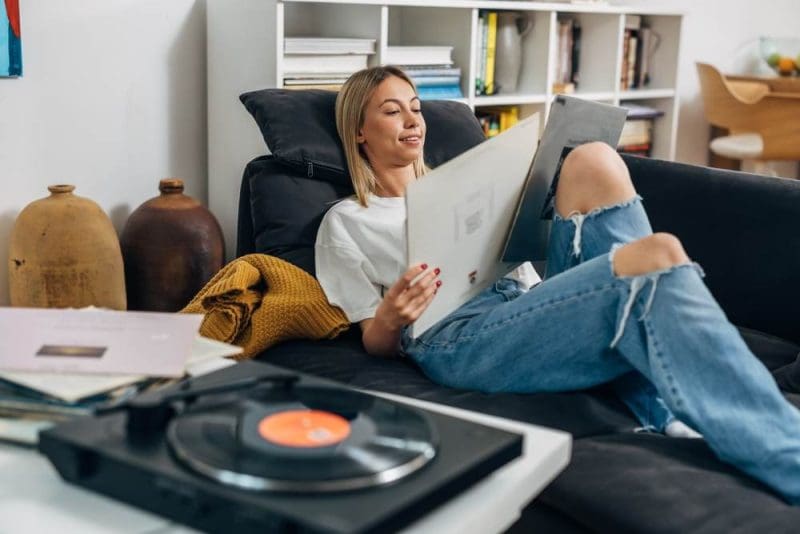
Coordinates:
[258,300]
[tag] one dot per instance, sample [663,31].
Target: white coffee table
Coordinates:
[34,499]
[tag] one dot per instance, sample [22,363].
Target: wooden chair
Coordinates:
[764,125]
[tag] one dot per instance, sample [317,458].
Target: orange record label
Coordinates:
[304,428]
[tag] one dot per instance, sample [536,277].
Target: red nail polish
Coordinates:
[436,271]
[423,266]
[438,283]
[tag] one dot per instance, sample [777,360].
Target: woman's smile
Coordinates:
[413,140]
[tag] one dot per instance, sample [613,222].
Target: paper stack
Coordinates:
[323,62]
[430,67]
[57,364]
[32,401]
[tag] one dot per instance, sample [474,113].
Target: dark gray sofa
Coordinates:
[743,230]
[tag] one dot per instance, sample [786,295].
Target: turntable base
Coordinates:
[34,499]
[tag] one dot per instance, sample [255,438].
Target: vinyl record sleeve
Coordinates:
[572,122]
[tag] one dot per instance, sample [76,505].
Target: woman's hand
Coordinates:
[402,304]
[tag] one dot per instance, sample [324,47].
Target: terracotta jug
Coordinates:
[172,246]
[64,252]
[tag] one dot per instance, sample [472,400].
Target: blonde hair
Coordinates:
[350,106]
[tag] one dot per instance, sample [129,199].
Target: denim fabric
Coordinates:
[656,336]
[572,242]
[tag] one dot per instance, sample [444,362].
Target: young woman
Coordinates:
[619,304]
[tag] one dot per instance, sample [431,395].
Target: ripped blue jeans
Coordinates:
[656,336]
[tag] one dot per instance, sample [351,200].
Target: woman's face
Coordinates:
[393,132]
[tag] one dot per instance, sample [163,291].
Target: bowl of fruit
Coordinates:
[781,54]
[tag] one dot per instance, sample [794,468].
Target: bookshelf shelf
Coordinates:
[245,40]
[637,94]
[597,96]
[509,100]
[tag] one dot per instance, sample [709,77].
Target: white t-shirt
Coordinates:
[361,252]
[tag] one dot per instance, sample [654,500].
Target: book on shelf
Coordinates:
[639,111]
[639,43]
[487,54]
[636,132]
[496,120]
[318,76]
[324,63]
[563,88]
[632,61]
[432,75]
[318,86]
[427,81]
[491,50]
[480,67]
[633,22]
[564,56]
[642,149]
[289,82]
[419,55]
[648,43]
[314,80]
[567,55]
[421,71]
[575,56]
[434,92]
[328,45]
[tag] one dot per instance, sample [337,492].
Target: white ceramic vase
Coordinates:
[512,26]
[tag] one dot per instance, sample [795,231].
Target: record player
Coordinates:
[254,447]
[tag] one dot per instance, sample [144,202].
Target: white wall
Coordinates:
[723,33]
[113,98]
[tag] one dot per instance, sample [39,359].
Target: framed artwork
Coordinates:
[10,39]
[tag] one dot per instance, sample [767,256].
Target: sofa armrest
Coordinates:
[743,229]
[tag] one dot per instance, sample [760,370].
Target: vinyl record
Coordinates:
[304,439]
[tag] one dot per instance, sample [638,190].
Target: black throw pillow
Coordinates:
[299,128]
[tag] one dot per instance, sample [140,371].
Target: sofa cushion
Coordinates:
[778,355]
[651,483]
[775,353]
[740,228]
[788,376]
[281,211]
[299,128]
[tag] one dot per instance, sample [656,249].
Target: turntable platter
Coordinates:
[314,439]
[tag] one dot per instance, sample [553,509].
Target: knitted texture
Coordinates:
[257,301]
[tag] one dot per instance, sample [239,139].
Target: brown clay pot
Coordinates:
[64,252]
[172,246]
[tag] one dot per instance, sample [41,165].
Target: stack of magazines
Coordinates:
[323,62]
[32,401]
[430,67]
[436,81]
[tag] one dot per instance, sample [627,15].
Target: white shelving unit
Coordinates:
[245,53]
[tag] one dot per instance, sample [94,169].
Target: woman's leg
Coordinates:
[683,343]
[608,316]
[596,208]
